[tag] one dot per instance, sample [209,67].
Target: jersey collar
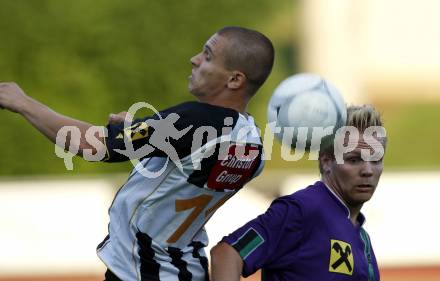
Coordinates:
[361,218]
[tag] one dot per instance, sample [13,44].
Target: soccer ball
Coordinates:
[305,107]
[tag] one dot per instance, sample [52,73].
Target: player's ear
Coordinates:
[236,80]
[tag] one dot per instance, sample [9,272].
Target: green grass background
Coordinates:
[86,59]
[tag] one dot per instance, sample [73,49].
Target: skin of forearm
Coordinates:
[226,264]
[49,122]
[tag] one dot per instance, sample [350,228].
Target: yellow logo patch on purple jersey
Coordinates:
[341,257]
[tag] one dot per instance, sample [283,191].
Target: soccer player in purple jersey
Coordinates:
[317,233]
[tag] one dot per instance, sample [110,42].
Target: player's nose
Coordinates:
[367,169]
[195,60]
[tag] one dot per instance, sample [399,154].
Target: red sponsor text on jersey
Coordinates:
[236,169]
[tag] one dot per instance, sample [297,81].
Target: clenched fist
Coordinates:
[12,97]
[118,118]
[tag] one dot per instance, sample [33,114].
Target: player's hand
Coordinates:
[117,118]
[12,97]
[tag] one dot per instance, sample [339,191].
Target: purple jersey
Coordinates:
[306,236]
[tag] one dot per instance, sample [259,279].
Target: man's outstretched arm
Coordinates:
[226,263]
[47,121]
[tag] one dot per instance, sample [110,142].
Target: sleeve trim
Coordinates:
[248,243]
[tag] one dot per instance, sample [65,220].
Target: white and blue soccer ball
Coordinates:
[302,104]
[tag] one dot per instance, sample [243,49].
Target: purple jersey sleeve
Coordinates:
[261,241]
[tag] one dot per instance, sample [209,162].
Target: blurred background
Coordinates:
[87,59]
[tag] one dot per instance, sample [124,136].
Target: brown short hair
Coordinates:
[250,52]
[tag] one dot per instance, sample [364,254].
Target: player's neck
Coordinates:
[354,210]
[239,106]
[354,214]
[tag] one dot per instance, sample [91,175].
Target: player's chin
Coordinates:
[193,90]
[191,84]
[190,87]
[362,197]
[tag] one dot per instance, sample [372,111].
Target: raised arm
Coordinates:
[47,121]
[226,263]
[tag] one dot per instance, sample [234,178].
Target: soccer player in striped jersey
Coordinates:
[316,233]
[205,152]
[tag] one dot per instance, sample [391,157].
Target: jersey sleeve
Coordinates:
[118,135]
[169,132]
[133,141]
[261,241]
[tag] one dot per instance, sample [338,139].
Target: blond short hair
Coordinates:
[363,116]
[360,117]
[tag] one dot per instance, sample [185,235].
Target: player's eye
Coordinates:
[353,160]
[377,162]
[207,55]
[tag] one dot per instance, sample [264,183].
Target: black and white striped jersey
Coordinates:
[156,229]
